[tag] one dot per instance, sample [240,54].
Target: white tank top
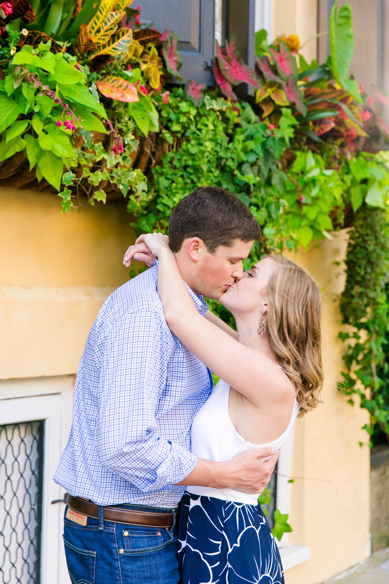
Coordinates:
[214,437]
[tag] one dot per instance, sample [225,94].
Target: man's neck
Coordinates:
[186,271]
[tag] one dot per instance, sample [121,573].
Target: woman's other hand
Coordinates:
[139,252]
[146,249]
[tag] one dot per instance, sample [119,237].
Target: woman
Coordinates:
[269,371]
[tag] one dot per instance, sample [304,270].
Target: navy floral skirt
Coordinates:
[221,542]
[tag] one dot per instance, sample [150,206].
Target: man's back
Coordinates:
[137,391]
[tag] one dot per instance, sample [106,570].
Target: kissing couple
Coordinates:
[163,470]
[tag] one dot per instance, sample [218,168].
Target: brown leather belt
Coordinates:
[121,515]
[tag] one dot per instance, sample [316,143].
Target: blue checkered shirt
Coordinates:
[137,391]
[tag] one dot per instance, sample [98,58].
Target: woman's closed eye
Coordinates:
[250,274]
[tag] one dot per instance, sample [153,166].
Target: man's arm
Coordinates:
[134,360]
[249,471]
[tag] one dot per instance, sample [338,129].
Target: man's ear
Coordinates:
[195,247]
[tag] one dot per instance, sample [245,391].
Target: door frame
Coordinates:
[48,399]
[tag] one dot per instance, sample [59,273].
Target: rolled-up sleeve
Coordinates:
[132,380]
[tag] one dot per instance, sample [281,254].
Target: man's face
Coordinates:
[218,271]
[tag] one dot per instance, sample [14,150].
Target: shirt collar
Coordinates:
[198,299]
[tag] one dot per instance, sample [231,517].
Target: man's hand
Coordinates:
[249,471]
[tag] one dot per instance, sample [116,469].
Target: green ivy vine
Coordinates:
[364,307]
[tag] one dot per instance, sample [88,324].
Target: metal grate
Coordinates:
[273,500]
[21,473]
[270,507]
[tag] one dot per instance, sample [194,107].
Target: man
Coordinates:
[137,391]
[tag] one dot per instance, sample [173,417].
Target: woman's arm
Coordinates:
[246,370]
[143,254]
[221,324]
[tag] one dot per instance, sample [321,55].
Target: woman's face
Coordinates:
[249,294]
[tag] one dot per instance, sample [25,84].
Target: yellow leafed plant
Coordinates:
[117,45]
[118,89]
[121,5]
[104,24]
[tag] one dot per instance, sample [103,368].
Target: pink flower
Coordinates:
[365,115]
[143,89]
[7,8]
[370,101]
[271,127]
[129,68]
[301,199]
[59,124]
[165,97]
[69,125]
[361,88]
[77,66]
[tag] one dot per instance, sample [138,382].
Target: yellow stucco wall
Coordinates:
[55,272]
[330,509]
[297,17]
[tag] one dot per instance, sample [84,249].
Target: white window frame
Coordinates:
[48,399]
[292,555]
[263,16]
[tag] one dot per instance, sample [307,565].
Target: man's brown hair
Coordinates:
[214,215]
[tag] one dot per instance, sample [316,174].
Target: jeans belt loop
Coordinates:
[101,517]
[174,513]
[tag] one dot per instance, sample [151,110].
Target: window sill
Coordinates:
[294,555]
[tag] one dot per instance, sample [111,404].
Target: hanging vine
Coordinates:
[364,307]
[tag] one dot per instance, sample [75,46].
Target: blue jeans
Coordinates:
[103,552]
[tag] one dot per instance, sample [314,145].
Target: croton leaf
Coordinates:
[195,91]
[121,4]
[294,95]
[118,89]
[284,61]
[34,37]
[263,64]
[224,85]
[324,127]
[104,24]
[173,59]
[147,35]
[117,44]
[233,69]
[21,9]
[84,41]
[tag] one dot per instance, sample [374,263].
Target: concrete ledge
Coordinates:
[294,555]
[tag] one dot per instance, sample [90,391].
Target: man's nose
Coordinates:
[238,273]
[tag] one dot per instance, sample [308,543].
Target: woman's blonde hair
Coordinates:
[293,317]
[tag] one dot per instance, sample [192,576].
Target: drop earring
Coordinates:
[262,326]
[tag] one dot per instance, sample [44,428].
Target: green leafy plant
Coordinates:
[43,100]
[365,308]
[280,520]
[62,20]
